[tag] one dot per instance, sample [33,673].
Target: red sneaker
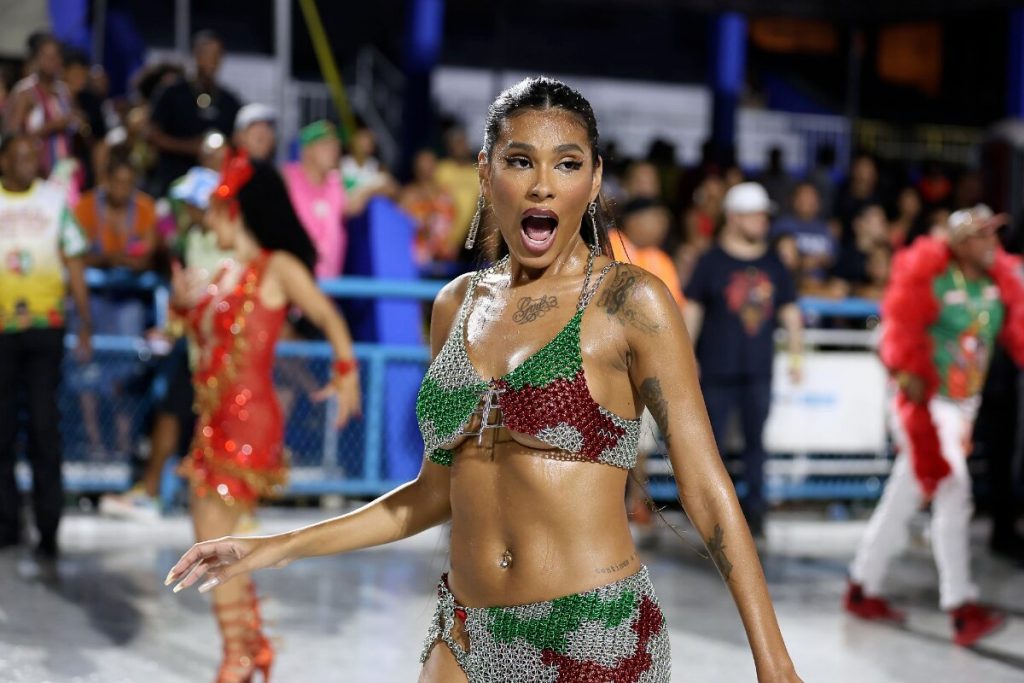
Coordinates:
[872,609]
[972,622]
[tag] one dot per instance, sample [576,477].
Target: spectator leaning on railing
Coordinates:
[318,194]
[432,209]
[120,222]
[39,238]
[814,244]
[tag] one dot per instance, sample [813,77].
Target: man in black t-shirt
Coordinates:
[738,290]
[189,108]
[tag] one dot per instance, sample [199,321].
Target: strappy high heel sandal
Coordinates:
[246,649]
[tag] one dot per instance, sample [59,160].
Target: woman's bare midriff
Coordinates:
[529,527]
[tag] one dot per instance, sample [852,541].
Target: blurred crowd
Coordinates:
[836,231]
[123,162]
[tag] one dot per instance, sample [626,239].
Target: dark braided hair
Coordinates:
[540,94]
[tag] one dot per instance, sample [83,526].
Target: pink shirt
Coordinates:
[320,208]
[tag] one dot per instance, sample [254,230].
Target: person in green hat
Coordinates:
[315,187]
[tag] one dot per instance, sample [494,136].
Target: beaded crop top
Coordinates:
[545,397]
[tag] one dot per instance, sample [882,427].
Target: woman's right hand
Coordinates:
[222,559]
[187,287]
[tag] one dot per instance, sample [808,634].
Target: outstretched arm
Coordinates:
[299,288]
[664,371]
[403,512]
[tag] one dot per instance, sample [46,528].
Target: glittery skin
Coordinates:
[613,633]
[237,450]
[546,397]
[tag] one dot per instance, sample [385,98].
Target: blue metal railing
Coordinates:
[354,287]
[355,462]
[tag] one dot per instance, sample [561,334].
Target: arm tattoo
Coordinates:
[654,399]
[716,546]
[616,302]
[529,309]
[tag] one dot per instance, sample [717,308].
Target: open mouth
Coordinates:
[538,229]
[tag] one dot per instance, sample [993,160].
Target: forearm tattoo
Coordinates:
[653,397]
[616,301]
[716,546]
[528,310]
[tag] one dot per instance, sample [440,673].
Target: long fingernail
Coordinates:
[170,578]
[209,584]
[179,587]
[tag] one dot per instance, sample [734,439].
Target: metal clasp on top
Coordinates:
[487,406]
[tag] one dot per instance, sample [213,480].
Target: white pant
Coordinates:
[952,507]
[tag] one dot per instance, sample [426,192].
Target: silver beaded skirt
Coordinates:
[613,633]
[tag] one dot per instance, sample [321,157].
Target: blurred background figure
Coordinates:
[120,223]
[41,103]
[907,218]
[457,174]
[40,241]
[775,179]
[738,291]
[255,131]
[869,231]
[185,109]
[816,246]
[361,170]
[432,208]
[315,187]
[88,108]
[859,190]
[950,297]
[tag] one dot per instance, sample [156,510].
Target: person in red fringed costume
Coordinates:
[237,454]
[946,306]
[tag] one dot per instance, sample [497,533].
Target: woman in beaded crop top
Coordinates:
[542,364]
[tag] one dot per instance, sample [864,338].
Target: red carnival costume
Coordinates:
[938,327]
[908,311]
[237,450]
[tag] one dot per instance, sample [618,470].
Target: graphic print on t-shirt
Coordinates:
[749,296]
[969,355]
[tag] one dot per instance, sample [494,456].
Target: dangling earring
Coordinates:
[592,211]
[474,225]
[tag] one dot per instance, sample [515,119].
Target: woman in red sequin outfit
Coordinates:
[237,452]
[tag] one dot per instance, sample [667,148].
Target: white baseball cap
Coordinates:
[979,219]
[747,198]
[254,113]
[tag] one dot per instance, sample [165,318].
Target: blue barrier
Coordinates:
[355,461]
[361,287]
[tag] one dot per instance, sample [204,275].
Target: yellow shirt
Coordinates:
[463,183]
[652,259]
[36,229]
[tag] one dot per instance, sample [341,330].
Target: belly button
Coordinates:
[506,559]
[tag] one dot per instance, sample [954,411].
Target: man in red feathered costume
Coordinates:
[945,306]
